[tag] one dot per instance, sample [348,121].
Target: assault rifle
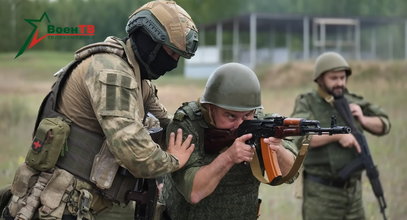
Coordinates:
[365,161]
[145,191]
[281,127]
[146,195]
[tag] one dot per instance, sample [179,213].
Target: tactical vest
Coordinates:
[84,144]
[238,181]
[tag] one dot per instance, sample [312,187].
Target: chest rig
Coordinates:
[84,145]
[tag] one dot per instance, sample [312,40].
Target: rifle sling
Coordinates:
[257,172]
[342,106]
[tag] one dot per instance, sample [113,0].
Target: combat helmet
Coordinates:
[168,24]
[234,87]
[330,61]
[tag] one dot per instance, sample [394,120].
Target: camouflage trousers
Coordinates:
[332,203]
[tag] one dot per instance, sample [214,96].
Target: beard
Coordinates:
[336,91]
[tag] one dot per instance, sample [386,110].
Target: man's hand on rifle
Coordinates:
[275,144]
[240,151]
[372,124]
[182,150]
[348,140]
[285,157]
[345,140]
[356,111]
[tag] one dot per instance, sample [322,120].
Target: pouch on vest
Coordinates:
[24,179]
[104,168]
[48,144]
[55,195]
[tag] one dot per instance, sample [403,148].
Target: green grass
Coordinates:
[384,84]
[34,65]
[17,118]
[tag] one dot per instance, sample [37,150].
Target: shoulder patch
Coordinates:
[116,89]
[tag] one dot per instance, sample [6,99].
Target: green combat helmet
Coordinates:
[234,87]
[166,23]
[330,61]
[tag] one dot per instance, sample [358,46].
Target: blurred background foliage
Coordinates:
[26,80]
[110,16]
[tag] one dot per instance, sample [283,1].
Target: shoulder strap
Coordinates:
[48,105]
[83,144]
[342,106]
[190,109]
[257,172]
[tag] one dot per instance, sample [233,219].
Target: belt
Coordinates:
[329,182]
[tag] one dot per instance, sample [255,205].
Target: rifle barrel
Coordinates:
[334,130]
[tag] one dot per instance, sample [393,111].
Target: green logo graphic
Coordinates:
[51,30]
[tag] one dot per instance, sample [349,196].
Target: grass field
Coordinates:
[26,80]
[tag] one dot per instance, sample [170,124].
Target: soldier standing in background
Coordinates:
[325,195]
[94,115]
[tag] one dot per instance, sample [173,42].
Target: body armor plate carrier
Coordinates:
[84,144]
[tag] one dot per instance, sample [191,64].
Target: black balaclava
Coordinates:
[155,61]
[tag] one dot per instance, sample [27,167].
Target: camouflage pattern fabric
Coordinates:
[320,201]
[234,198]
[329,203]
[326,161]
[103,94]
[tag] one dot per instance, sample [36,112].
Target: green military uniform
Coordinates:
[236,195]
[343,201]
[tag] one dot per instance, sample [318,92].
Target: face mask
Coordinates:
[162,63]
[155,61]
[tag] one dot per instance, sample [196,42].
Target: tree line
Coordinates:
[110,16]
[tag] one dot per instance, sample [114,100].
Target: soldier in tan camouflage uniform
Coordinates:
[325,195]
[217,183]
[105,94]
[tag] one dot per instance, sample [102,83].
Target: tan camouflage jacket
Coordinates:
[105,94]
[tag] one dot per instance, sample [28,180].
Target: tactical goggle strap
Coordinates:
[270,162]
